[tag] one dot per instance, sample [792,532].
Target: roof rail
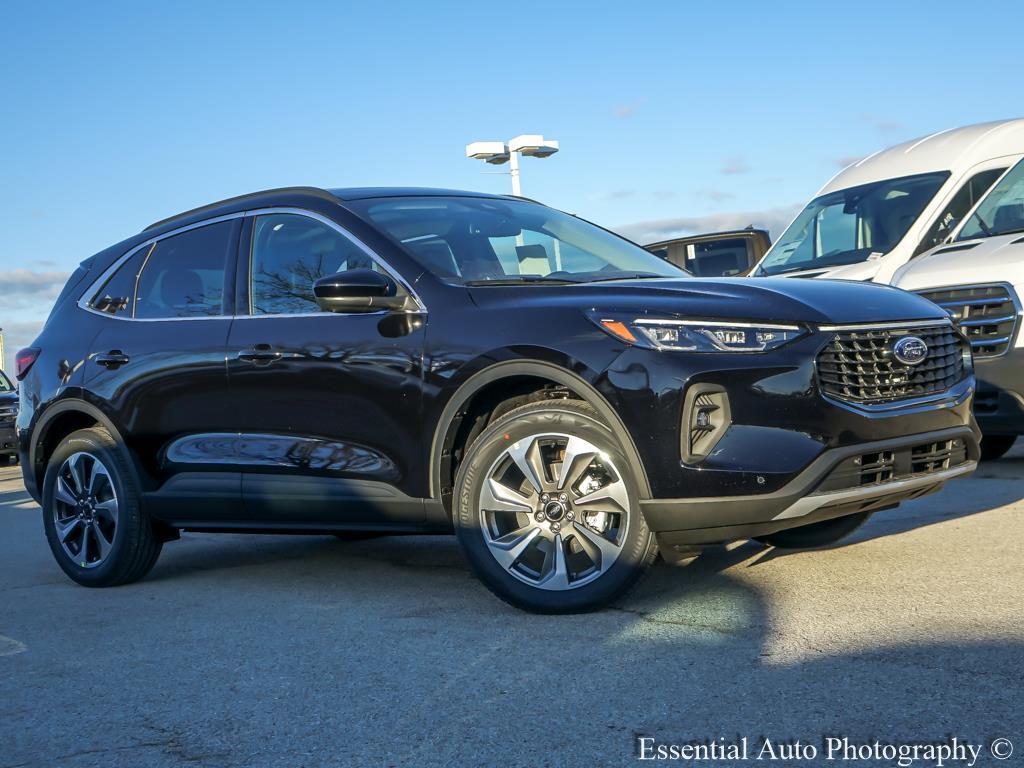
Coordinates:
[317,191]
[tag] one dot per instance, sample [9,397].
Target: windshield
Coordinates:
[1001,211]
[479,241]
[5,383]
[852,225]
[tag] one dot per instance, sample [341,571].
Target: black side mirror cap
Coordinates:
[359,290]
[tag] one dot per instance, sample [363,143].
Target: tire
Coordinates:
[120,543]
[560,555]
[995,446]
[816,534]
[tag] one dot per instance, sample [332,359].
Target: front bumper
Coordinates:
[8,440]
[841,481]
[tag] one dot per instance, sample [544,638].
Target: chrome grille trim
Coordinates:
[988,314]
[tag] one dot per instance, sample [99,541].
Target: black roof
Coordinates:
[296,195]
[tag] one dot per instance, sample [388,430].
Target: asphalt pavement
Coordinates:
[310,651]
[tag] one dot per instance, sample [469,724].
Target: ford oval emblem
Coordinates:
[910,350]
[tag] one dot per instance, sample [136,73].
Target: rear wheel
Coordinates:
[92,515]
[547,512]
[995,446]
[816,534]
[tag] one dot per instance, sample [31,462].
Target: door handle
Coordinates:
[261,354]
[113,359]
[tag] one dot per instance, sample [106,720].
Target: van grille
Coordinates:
[858,366]
[987,314]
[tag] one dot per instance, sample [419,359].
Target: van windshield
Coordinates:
[1002,210]
[852,225]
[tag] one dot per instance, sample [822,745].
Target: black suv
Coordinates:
[418,361]
[8,412]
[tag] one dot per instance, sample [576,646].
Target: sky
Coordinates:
[673,117]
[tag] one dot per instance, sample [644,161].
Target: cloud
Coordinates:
[16,336]
[735,164]
[715,195]
[882,124]
[626,110]
[843,162]
[772,219]
[26,287]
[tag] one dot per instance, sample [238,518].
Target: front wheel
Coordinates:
[816,534]
[547,513]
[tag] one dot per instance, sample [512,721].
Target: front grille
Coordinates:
[903,463]
[859,366]
[987,314]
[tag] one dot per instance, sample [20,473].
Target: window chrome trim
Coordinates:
[99,282]
[391,271]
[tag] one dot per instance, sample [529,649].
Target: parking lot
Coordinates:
[310,651]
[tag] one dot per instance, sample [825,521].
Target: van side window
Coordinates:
[964,199]
[184,274]
[290,252]
[117,296]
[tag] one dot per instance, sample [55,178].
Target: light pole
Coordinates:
[499,152]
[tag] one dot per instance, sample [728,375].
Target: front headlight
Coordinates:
[696,335]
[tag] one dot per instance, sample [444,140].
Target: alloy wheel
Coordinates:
[554,511]
[85,509]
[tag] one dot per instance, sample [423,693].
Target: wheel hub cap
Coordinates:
[85,509]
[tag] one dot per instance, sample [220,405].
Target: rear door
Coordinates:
[326,405]
[158,366]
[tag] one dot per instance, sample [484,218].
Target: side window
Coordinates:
[290,252]
[958,206]
[117,296]
[184,274]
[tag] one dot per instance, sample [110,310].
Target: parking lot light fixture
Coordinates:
[499,152]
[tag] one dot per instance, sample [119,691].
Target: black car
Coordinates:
[8,412]
[417,361]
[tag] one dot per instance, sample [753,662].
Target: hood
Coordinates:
[989,260]
[763,298]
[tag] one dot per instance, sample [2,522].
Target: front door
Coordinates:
[326,405]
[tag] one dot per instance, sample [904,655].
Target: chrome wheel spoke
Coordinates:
[500,498]
[63,493]
[558,574]
[509,548]
[108,509]
[593,543]
[103,544]
[526,455]
[75,472]
[578,456]
[83,547]
[98,471]
[65,527]
[611,498]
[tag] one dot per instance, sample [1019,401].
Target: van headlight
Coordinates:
[696,335]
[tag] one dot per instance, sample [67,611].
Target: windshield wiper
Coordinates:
[521,280]
[634,276]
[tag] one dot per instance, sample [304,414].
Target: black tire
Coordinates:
[135,546]
[816,534]
[638,547]
[995,446]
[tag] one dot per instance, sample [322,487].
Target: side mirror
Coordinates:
[359,290]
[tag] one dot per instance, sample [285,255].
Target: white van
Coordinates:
[877,214]
[978,278]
